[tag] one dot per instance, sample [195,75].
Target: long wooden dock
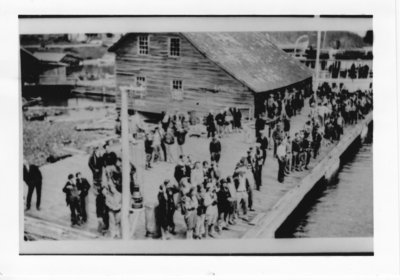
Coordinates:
[273,203]
[287,205]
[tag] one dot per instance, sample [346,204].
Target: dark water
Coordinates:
[345,208]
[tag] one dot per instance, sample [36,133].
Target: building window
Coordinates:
[141,82]
[143,44]
[177,89]
[177,85]
[174,47]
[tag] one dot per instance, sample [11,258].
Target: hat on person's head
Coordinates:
[70,176]
[166,181]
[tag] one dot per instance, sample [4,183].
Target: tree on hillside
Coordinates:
[369,37]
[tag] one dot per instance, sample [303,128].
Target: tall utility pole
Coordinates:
[316,81]
[126,194]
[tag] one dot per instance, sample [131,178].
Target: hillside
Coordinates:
[347,39]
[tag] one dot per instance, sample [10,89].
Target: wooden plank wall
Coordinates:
[201,77]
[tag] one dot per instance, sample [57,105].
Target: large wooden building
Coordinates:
[203,71]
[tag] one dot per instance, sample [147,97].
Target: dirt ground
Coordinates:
[49,137]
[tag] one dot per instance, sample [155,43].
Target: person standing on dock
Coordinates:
[169,140]
[241,185]
[148,148]
[166,208]
[260,125]
[215,150]
[72,194]
[33,179]
[96,166]
[180,134]
[190,212]
[277,136]
[83,186]
[210,123]
[258,165]
[220,120]
[281,156]
[263,140]
[181,170]
[109,157]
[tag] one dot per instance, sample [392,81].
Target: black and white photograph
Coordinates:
[200,140]
[238,135]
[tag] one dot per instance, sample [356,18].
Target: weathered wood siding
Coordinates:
[206,86]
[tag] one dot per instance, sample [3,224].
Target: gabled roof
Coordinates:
[251,58]
[247,56]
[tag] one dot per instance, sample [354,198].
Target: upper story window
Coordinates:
[144,44]
[175,47]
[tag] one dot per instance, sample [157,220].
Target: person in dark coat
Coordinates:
[260,125]
[33,179]
[73,200]
[286,124]
[181,170]
[166,207]
[263,140]
[258,165]
[96,165]
[223,204]
[83,186]
[210,125]
[162,210]
[102,212]
[109,157]
[180,134]
[215,149]
[306,145]
[238,119]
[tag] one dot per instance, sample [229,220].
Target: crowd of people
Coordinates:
[333,109]
[208,201]
[174,129]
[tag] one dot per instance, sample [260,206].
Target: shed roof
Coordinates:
[251,58]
